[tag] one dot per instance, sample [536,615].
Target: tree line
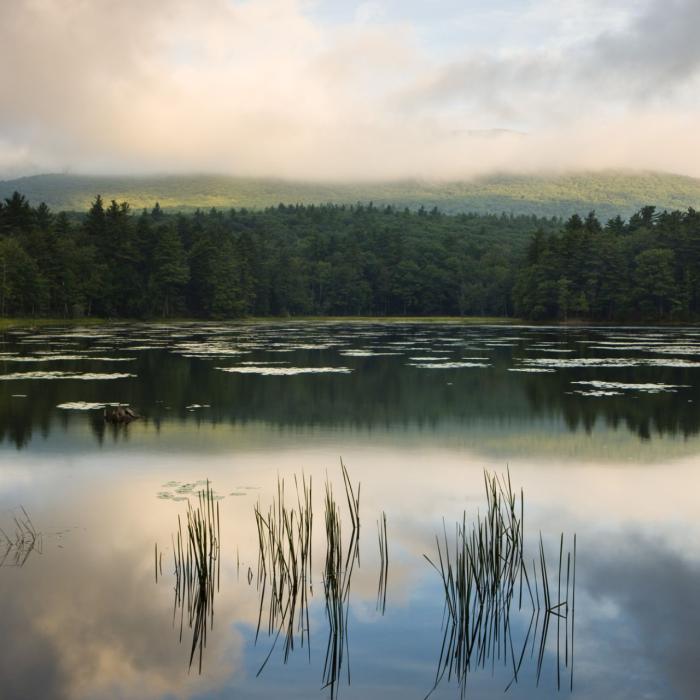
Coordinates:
[344,260]
[646,269]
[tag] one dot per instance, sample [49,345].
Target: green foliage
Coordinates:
[340,261]
[644,270]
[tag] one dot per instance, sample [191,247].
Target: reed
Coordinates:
[338,569]
[22,542]
[284,567]
[284,571]
[383,563]
[197,568]
[481,571]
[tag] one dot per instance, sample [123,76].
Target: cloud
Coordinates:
[268,87]
[653,591]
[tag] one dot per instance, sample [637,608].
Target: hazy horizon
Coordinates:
[486,176]
[323,90]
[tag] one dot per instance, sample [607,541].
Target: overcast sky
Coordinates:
[347,89]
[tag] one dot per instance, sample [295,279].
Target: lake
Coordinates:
[324,583]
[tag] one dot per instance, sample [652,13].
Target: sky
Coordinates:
[347,89]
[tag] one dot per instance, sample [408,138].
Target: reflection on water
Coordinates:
[24,541]
[383,563]
[197,566]
[352,377]
[284,579]
[485,579]
[337,575]
[86,622]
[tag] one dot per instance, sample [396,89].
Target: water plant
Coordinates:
[284,566]
[22,542]
[338,569]
[485,577]
[197,569]
[284,571]
[383,563]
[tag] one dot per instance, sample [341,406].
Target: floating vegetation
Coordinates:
[367,353]
[139,348]
[608,362]
[284,371]
[86,376]
[197,564]
[447,365]
[647,388]
[45,357]
[383,563]
[206,349]
[267,362]
[661,347]
[22,542]
[532,370]
[85,405]
[284,347]
[182,490]
[485,579]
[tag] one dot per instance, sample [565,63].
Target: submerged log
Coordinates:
[120,414]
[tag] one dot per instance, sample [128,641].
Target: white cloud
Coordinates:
[268,87]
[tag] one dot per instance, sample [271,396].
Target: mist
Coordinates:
[285,88]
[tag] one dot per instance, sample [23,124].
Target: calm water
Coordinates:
[598,426]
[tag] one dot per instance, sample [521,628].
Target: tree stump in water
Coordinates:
[120,414]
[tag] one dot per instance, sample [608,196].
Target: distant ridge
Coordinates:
[609,193]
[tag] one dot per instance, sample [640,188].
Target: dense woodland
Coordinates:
[345,260]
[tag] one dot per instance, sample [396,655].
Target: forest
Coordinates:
[340,260]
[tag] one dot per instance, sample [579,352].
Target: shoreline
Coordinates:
[8,323]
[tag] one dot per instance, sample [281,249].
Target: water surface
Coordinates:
[599,427]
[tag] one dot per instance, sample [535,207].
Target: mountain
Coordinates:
[608,193]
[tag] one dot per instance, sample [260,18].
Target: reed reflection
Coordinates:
[197,570]
[485,580]
[24,541]
[284,576]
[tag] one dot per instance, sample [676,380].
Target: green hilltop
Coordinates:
[609,193]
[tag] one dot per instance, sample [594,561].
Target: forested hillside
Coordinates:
[608,193]
[337,260]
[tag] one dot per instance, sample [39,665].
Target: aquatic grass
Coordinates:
[284,571]
[284,567]
[383,563]
[338,569]
[481,571]
[197,569]
[24,540]
[561,609]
